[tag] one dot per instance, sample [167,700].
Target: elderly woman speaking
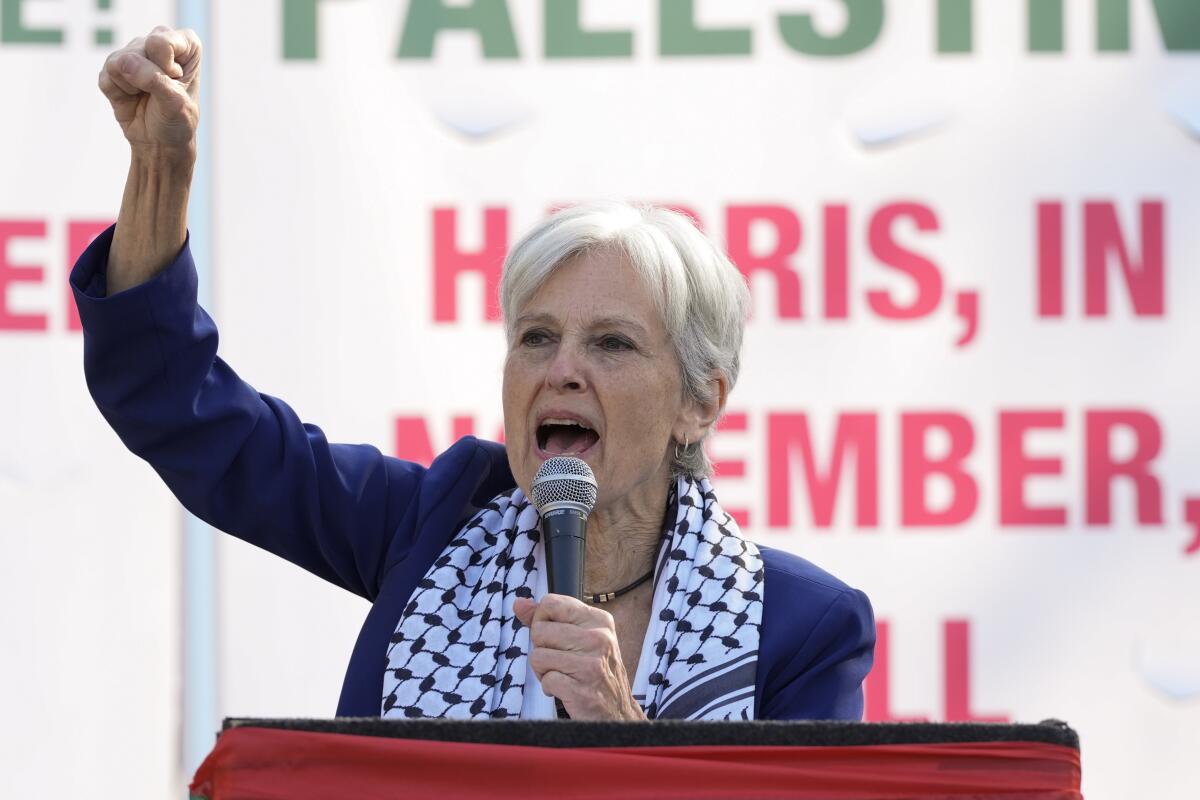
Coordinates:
[624,326]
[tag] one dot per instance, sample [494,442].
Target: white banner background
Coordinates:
[88,535]
[328,171]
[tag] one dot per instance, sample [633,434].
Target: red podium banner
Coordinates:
[266,764]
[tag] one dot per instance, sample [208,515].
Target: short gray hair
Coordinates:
[700,294]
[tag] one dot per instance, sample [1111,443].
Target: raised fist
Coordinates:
[153,84]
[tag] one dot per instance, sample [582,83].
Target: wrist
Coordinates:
[156,194]
[161,160]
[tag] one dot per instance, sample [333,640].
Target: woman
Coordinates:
[624,327]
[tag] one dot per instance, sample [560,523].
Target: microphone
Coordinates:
[564,491]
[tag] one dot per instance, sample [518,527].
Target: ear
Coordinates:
[696,418]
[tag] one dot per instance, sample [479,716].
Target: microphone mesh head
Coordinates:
[564,479]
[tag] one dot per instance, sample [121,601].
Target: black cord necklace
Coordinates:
[604,597]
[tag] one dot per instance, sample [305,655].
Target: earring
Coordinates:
[686,442]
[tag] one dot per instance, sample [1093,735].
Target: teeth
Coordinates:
[556,421]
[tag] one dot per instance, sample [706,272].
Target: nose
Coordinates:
[566,371]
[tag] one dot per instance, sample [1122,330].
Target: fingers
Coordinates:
[175,52]
[116,91]
[557,684]
[154,64]
[112,81]
[523,608]
[560,608]
[564,623]
[160,51]
[189,58]
[142,74]
[586,690]
[584,670]
[573,638]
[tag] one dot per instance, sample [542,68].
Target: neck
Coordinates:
[623,543]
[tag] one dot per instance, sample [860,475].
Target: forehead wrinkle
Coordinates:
[585,298]
[611,321]
[606,321]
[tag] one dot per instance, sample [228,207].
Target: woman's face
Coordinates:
[592,373]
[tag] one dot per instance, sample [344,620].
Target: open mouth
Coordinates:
[565,437]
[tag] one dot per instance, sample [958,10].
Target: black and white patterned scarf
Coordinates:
[459,651]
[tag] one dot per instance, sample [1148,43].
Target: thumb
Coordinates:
[145,75]
[524,608]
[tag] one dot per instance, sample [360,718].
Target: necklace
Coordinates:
[604,597]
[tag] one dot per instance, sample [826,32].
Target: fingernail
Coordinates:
[127,64]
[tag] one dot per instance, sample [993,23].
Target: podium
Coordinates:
[264,759]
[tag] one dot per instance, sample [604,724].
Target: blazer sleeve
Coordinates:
[822,675]
[240,460]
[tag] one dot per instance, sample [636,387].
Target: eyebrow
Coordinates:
[624,323]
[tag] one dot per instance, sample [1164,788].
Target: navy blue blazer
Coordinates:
[373,524]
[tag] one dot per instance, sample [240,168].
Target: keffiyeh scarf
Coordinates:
[458,650]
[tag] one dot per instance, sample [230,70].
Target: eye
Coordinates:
[534,338]
[614,344]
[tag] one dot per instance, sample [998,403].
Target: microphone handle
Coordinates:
[565,532]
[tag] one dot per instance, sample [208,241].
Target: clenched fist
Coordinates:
[153,84]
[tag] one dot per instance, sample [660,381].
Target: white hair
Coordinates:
[700,294]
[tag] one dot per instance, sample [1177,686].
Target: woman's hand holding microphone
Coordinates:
[576,658]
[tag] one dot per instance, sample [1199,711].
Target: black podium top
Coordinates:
[564,733]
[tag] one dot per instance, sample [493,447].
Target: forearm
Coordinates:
[152,224]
